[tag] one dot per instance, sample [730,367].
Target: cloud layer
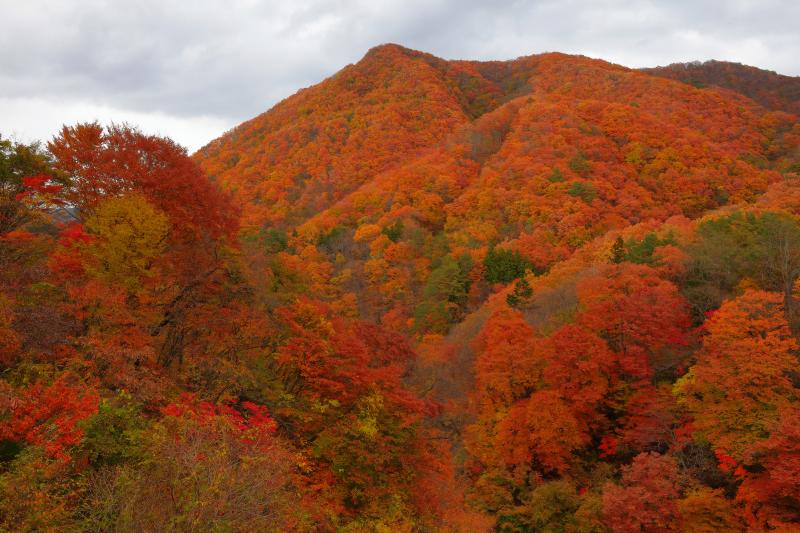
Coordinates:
[192,70]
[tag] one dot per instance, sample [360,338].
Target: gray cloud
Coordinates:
[197,68]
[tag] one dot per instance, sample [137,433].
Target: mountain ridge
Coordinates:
[448,81]
[768,88]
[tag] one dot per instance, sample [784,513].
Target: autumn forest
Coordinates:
[552,294]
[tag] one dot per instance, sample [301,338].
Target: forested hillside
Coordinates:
[548,294]
[771,90]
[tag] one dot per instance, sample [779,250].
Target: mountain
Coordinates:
[315,147]
[397,107]
[546,294]
[540,154]
[771,90]
[419,190]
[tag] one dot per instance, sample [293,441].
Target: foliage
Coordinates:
[547,294]
[767,88]
[112,435]
[764,247]
[47,415]
[582,190]
[741,378]
[503,265]
[221,469]
[642,251]
[647,498]
[522,293]
[128,235]
[444,295]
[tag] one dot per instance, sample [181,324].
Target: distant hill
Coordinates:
[771,90]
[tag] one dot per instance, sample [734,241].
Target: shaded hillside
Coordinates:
[771,90]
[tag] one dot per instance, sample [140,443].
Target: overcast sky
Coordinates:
[192,69]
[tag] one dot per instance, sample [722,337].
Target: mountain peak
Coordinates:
[390,48]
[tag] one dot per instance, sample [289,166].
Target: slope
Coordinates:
[314,147]
[771,90]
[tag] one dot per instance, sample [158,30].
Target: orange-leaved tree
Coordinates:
[741,380]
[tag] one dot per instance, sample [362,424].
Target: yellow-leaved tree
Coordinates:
[129,234]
